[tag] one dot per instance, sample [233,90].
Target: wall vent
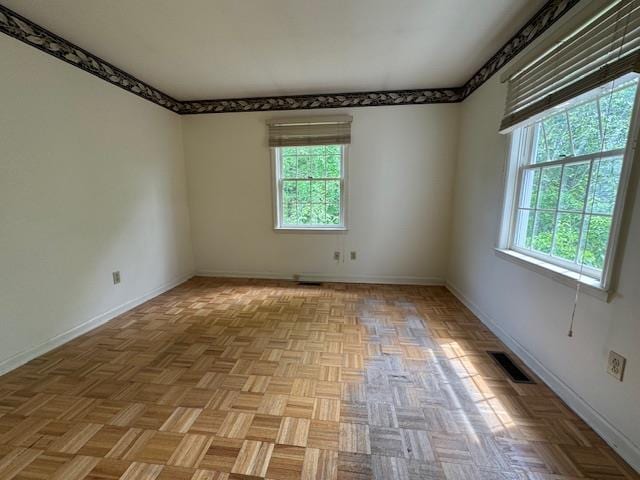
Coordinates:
[515,373]
[309,284]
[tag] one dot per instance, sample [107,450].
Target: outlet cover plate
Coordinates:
[615,365]
[336,255]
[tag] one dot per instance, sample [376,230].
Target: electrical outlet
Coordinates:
[615,365]
[353,254]
[116,277]
[336,256]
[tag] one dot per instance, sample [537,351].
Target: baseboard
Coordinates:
[321,277]
[25,356]
[622,444]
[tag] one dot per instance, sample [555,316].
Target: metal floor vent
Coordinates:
[309,284]
[515,373]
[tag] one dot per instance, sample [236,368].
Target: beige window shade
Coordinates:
[298,132]
[603,49]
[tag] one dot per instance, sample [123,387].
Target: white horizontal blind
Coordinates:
[605,48]
[300,132]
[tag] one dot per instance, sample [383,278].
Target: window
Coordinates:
[310,184]
[569,166]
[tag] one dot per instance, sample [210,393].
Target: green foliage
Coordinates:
[311,196]
[549,187]
[585,128]
[566,211]
[556,132]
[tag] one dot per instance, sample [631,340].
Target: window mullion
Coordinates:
[581,158]
[555,218]
[573,148]
[584,212]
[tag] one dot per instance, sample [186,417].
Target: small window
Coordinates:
[567,178]
[310,187]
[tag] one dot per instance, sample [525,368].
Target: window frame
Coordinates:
[521,145]
[277,185]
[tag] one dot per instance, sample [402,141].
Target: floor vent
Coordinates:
[309,284]
[515,373]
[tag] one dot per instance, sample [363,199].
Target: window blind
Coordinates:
[603,49]
[299,132]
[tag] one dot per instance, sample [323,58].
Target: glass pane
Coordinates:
[540,154]
[574,186]
[524,228]
[596,239]
[316,165]
[289,213]
[333,166]
[317,191]
[317,214]
[333,191]
[556,132]
[289,151]
[304,213]
[316,150]
[543,232]
[567,236]
[585,128]
[604,185]
[616,111]
[333,213]
[304,191]
[289,166]
[332,149]
[549,187]
[303,150]
[306,200]
[530,185]
[304,170]
[289,190]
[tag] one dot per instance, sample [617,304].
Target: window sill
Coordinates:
[588,285]
[311,229]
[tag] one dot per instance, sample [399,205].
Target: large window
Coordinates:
[310,183]
[568,165]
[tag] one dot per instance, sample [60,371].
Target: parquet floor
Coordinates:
[241,379]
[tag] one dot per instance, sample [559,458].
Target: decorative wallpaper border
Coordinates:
[33,34]
[549,14]
[39,37]
[330,100]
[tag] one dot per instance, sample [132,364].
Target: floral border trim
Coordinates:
[539,23]
[332,100]
[32,34]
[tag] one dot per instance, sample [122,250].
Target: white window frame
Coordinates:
[520,151]
[276,168]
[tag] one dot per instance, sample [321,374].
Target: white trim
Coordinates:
[25,356]
[519,161]
[324,277]
[616,439]
[588,285]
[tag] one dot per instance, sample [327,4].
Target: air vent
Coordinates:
[515,373]
[310,284]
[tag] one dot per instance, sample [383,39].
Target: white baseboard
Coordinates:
[321,277]
[622,444]
[23,357]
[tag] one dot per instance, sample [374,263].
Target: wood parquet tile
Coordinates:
[244,379]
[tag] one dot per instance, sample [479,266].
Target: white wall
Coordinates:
[401,165]
[91,180]
[531,312]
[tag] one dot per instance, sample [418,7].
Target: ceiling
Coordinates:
[201,49]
